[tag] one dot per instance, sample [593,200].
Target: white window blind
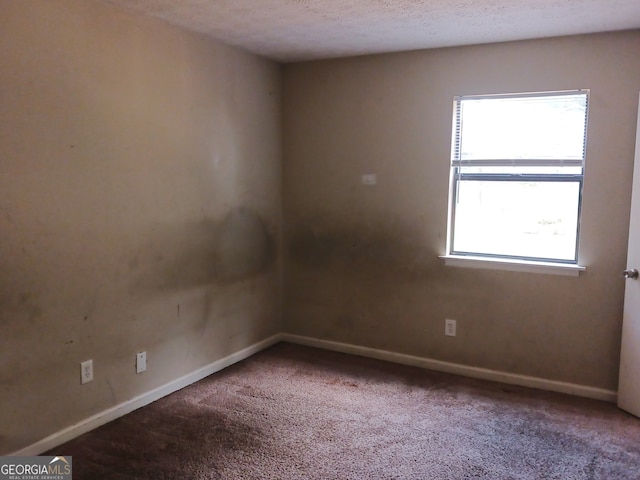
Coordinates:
[525,130]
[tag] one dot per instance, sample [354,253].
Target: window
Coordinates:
[517,167]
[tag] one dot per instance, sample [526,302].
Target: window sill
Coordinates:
[512,265]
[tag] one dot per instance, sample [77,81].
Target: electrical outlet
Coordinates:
[86,372]
[141,362]
[450,327]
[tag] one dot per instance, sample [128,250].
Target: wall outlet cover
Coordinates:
[86,371]
[141,362]
[450,327]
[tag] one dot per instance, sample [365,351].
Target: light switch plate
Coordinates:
[369,179]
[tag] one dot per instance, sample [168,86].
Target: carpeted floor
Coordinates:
[294,412]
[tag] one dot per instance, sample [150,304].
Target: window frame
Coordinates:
[457,175]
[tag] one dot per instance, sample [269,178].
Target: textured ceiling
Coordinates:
[293,30]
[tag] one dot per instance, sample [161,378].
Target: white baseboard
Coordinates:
[456,368]
[129,406]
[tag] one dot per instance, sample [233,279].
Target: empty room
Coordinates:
[325,240]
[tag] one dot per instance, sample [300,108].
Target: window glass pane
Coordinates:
[523,219]
[544,127]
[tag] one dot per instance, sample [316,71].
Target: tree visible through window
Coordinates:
[516,175]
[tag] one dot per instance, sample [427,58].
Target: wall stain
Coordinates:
[24,298]
[344,324]
[28,302]
[361,248]
[244,246]
[235,248]
[19,309]
[7,215]
[111,390]
[133,263]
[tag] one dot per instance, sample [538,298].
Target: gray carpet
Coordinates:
[295,412]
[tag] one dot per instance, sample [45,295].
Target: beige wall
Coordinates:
[361,262]
[140,171]
[140,199]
